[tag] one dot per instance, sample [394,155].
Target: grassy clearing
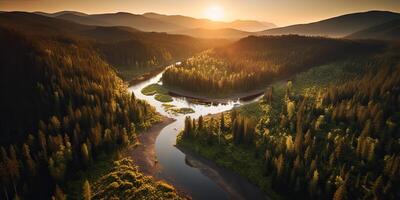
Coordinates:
[322,76]
[184,110]
[161,94]
[175,111]
[153,89]
[307,83]
[163,98]
[170,108]
[167,106]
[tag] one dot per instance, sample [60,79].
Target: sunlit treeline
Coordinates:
[256,61]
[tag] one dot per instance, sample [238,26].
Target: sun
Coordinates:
[214,12]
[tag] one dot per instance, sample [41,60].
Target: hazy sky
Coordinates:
[280,12]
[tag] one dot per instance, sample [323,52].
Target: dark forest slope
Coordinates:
[337,26]
[386,31]
[63,106]
[123,47]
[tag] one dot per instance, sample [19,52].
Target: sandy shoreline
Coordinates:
[144,154]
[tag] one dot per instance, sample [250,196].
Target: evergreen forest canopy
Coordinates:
[63,107]
[254,62]
[339,142]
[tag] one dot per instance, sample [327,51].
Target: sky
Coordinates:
[280,12]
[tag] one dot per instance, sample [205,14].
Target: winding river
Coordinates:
[195,176]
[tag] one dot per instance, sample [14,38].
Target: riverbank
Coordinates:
[235,185]
[150,73]
[317,75]
[145,76]
[104,162]
[210,99]
[187,173]
[144,154]
[240,170]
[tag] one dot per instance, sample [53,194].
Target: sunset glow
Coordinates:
[277,12]
[214,12]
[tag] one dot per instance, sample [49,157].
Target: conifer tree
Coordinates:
[86,191]
[201,121]
[340,193]
[222,122]
[59,194]
[85,153]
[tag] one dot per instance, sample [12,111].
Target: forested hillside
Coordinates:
[386,31]
[146,51]
[62,107]
[337,142]
[253,62]
[339,26]
[130,51]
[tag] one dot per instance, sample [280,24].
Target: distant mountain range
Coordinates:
[367,25]
[117,19]
[156,22]
[224,33]
[340,26]
[387,31]
[193,23]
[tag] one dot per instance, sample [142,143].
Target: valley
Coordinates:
[118,105]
